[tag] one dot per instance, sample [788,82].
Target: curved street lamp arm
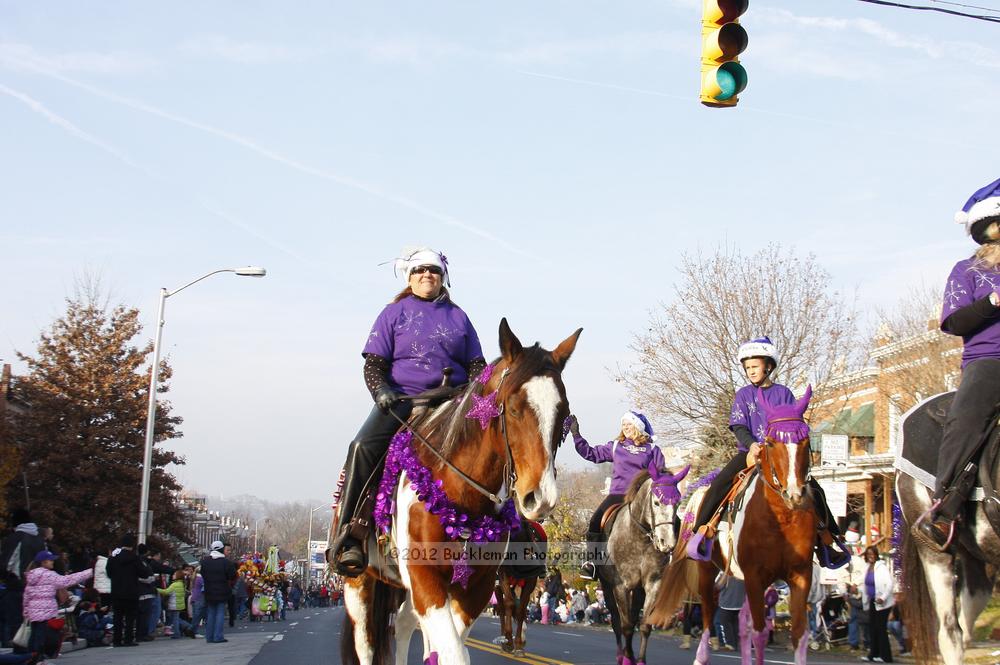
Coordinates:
[214,272]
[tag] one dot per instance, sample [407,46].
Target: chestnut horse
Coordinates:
[516,582]
[511,454]
[772,538]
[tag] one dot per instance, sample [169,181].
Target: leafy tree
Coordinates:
[83,436]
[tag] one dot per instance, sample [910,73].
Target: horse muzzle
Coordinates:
[537,504]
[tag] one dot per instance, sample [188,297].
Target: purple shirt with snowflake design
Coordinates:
[420,338]
[747,412]
[966,284]
[627,457]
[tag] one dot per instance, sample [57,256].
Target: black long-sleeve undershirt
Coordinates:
[376,371]
[743,435]
[967,320]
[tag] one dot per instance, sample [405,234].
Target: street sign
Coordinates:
[317,554]
[835,450]
[836,496]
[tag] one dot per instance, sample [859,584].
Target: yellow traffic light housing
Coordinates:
[722,41]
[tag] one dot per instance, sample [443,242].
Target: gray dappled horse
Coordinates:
[642,534]
[945,592]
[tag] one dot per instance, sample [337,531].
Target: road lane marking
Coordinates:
[528,657]
[277,638]
[570,634]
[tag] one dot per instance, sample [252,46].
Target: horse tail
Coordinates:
[385,601]
[919,612]
[379,601]
[674,587]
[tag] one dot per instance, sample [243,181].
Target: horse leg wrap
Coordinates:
[701,655]
[627,661]
[759,644]
[431,659]
[802,650]
[699,548]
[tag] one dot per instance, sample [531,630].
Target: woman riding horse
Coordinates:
[630,452]
[747,422]
[417,336]
[971,309]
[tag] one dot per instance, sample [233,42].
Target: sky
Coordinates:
[555,151]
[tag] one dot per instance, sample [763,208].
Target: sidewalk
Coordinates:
[243,645]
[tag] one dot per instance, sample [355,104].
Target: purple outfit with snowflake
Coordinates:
[627,457]
[747,412]
[420,338]
[967,284]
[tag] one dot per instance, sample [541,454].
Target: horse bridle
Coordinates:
[648,531]
[774,483]
[509,473]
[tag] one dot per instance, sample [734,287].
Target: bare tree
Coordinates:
[686,373]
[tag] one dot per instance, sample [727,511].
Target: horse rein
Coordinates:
[648,530]
[510,475]
[774,484]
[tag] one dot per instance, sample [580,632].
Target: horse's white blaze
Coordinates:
[358,612]
[543,396]
[438,624]
[794,490]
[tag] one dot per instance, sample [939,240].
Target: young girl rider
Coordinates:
[971,309]
[630,452]
[747,422]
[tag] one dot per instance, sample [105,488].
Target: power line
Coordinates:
[959,4]
[953,12]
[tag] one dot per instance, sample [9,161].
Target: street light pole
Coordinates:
[154,378]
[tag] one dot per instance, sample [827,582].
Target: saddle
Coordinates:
[732,501]
[608,518]
[922,429]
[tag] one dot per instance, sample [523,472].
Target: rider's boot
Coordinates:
[936,529]
[831,550]
[351,529]
[595,551]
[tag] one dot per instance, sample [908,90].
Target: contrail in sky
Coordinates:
[68,126]
[277,157]
[65,124]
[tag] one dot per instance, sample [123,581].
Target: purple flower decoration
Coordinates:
[484,376]
[458,525]
[484,409]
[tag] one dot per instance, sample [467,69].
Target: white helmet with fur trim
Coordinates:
[982,208]
[413,257]
[761,347]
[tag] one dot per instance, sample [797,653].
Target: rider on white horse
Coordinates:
[418,335]
[631,452]
[748,423]
[971,309]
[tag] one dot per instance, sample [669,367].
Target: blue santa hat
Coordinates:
[983,206]
[641,423]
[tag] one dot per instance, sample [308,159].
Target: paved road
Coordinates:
[312,637]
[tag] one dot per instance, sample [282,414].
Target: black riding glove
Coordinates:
[385,398]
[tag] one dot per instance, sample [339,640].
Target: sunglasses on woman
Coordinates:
[420,270]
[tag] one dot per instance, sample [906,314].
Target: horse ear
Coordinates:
[565,349]
[510,345]
[802,403]
[680,476]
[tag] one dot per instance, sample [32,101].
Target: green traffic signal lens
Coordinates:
[732,80]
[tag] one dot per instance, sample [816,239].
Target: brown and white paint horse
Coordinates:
[772,538]
[534,404]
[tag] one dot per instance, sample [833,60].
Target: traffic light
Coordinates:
[722,41]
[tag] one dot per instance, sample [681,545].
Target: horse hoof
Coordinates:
[507,647]
[519,653]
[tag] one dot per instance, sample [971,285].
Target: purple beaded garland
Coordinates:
[458,525]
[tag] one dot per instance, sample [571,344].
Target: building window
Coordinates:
[893,425]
